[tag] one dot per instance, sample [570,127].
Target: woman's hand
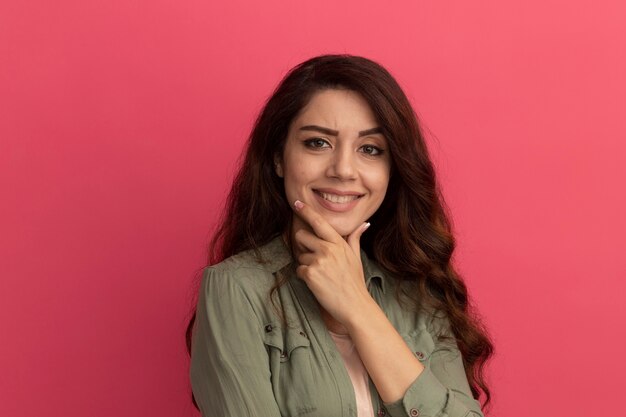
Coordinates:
[331,266]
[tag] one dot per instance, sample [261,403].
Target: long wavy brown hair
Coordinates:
[410,235]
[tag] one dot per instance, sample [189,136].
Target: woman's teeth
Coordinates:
[338,198]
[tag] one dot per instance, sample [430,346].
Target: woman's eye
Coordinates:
[316,143]
[371,150]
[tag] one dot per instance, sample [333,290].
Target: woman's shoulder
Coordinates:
[251,269]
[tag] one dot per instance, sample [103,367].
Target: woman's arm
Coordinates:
[406,387]
[229,364]
[392,365]
[332,269]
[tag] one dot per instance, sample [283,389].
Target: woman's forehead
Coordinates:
[336,110]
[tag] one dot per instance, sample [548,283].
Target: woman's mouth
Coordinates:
[335,198]
[337,202]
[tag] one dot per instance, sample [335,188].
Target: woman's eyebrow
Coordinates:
[331,132]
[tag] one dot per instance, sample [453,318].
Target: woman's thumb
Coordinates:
[354,240]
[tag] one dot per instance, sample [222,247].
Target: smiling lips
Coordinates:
[337,200]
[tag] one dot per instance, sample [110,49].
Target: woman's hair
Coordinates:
[410,234]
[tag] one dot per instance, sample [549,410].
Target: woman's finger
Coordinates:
[319,225]
[354,240]
[308,240]
[302,272]
[306,258]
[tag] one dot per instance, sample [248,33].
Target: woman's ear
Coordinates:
[278,168]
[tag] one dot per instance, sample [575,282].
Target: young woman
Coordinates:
[331,291]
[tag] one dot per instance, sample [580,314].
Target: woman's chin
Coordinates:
[344,229]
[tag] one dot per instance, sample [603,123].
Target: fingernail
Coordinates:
[298,204]
[367,225]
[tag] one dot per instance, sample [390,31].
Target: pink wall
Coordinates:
[121,121]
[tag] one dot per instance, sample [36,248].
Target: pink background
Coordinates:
[121,123]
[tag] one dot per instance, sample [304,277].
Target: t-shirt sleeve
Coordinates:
[229,368]
[442,388]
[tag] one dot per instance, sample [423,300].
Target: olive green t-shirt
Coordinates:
[245,362]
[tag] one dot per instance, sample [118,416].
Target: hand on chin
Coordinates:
[329,264]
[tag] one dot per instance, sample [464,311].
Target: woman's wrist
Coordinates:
[363,315]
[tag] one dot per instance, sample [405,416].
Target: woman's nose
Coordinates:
[342,165]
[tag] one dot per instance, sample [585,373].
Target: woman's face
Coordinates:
[336,160]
